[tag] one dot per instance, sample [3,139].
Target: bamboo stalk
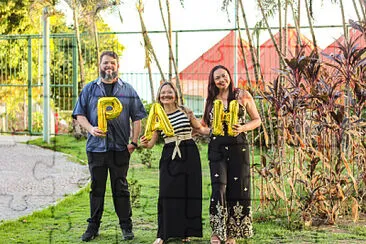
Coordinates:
[363,11]
[356,10]
[311,26]
[256,65]
[286,29]
[343,20]
[148,65]
[147,41]
[243,52]
[297,26]
[170,39]
[280,55]
[172,55]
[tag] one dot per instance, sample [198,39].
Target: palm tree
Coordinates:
[90,13]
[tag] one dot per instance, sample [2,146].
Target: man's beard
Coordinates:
[108,76]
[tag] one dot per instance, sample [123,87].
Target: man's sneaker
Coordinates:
[91,232]
[127,234]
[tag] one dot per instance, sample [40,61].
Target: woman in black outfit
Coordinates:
[230,203]
[180,184]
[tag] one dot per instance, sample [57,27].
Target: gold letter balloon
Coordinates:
[219,116]
[104,114]
[158,120]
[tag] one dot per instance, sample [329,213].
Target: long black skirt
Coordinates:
[180,192]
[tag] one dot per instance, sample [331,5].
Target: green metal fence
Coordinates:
[21,84]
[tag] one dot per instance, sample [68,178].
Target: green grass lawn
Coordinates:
[66,221]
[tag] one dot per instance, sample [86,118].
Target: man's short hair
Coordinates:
[109,53]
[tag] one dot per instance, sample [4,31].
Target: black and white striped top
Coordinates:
[180,123]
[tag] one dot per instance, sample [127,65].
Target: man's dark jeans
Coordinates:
[117,163]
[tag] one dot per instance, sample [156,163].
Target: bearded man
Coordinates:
[110,150]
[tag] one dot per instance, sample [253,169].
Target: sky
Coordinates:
[205,14]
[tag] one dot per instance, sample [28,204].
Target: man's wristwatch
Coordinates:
[134,144]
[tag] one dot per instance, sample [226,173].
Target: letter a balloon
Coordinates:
[158,120]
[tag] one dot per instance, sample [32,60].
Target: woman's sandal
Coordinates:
[158,241]
[230,241]
[215,240]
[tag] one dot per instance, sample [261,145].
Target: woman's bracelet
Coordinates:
[134,144]
[210,134]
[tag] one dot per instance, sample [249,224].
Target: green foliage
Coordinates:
[23,17]
[14,17]
[135,191]
[146,156]
[319,110]
[37,119]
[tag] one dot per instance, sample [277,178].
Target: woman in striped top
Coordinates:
[180,178]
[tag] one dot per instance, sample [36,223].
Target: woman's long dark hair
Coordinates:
[212,92]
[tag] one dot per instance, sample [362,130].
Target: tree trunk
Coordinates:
[280,34]
[363,6]
[343,20]
[151,82]
[356,10]
[170,40]
[147,41]
[96,40]
[297,25]
[285,35]
[257,71]
[78,42]
[311,26]
[172,55]
[243,52]
[270,32]
[257,68]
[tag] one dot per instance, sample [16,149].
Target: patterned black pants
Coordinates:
[230,205]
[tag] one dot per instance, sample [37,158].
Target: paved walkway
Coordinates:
[32,178]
